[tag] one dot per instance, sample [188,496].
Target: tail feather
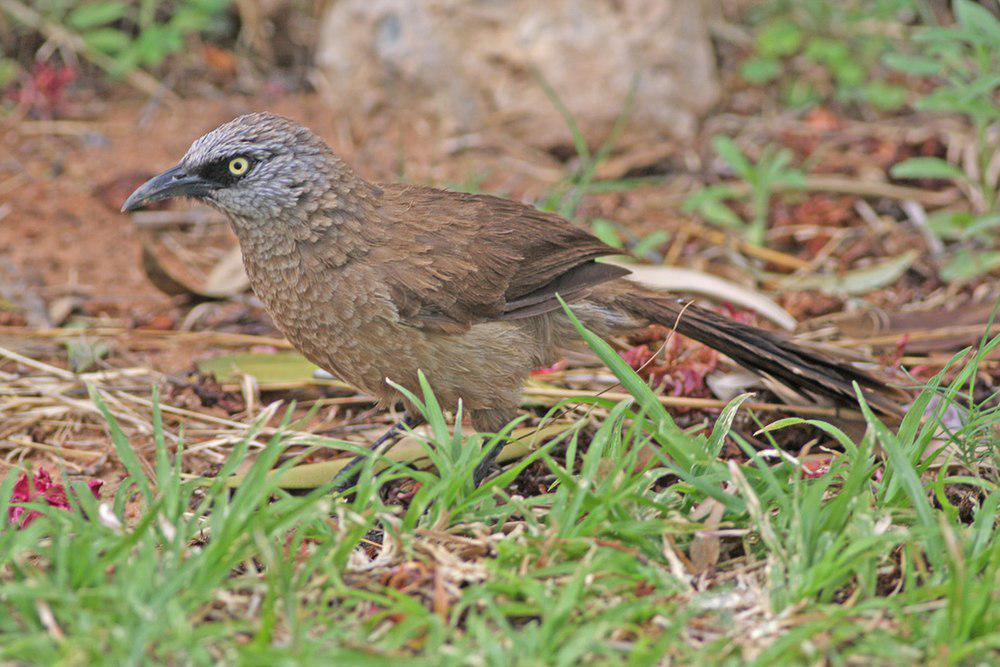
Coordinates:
[802,369]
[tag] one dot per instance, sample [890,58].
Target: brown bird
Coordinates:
[377,282]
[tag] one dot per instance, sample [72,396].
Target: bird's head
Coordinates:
[254,168]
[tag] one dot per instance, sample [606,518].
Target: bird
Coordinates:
[378,283]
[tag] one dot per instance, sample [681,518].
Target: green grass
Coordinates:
[871,562]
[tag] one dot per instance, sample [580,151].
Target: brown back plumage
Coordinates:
[476,258]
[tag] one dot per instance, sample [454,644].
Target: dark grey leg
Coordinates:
[490,420]
[487,465]
[348,476]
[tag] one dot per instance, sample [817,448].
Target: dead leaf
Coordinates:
[173,276]
[270,370]
[705,547]
[673,279]
[221,60]
[228,277]
[854,282]
[727,386]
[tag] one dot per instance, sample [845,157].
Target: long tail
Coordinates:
[802,369]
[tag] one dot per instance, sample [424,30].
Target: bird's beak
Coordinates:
[173,182]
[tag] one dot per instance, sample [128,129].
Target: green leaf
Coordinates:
[650,242]
[884,96]
[717,213]
[962,224]
[281,368]
[641,391]
[969,264]
[122,445]
[914,65]
[801,93]
[759,70]
[779,38]
[84,353]
[713,192]
[961,102]
[949,224]
[724,424]
[9,69]
[97,14]
[791,178]
[827,51]
[7,491]
[188,20]
[707,203]
[900,465]
[848,73]
[432,411]
[976,18]
[126,61]
[153,45]
[857,281]
[734,157]
[107,40]
[209,6]
[607,231]
[982,227]
[945,39]
[926,167]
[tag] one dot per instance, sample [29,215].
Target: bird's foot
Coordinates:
[487,465]
[348,476]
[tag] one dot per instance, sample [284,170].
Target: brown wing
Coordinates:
[475,258]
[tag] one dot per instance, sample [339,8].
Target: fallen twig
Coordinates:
[205,337]
[717,237]
[976,330]
[700,403]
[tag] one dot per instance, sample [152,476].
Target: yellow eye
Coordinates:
[238,166]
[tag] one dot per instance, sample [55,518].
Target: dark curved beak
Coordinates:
[174,182]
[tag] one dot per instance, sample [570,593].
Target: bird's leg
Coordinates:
[348,475]
[490,420]
[487,465]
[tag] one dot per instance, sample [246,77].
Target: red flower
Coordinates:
[41,489]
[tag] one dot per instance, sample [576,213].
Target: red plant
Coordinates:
[560,365]
[681,369]
[40,489]
[816,467]
[42,93]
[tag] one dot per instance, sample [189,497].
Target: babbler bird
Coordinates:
[377,282]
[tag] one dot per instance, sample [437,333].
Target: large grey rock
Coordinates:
[471,62]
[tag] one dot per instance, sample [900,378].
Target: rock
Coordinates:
[472,63]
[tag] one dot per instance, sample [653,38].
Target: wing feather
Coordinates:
[477,258]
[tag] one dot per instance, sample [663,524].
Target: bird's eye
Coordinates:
[239,166]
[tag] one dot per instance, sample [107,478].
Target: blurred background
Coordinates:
[836,160]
